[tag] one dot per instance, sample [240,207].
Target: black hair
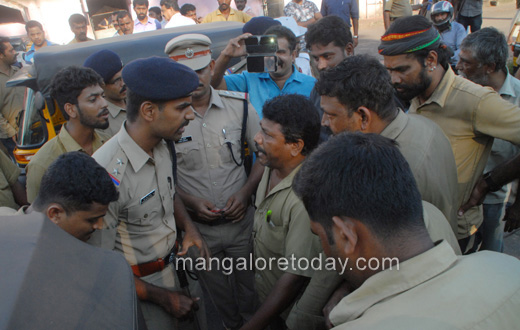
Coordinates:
[32,24]
[186,8]
[122,14]
[364,177]
[77,19]
[326,30]
[75,181]
[298,118]
[133,104]
[156,10]
[418,23]
[359,81]
[141,3]
[170,4]
[69,82]
[488,46]
[283,32]
[3,41]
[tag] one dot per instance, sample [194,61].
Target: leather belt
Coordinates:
[151,267]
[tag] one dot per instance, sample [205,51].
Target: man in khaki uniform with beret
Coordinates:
[366,209]
[79,95]
[142,224]
[470,115]
[212,181]
[109,66]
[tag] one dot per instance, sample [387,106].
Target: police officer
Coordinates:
[141,223]
[212,181]
[109,66]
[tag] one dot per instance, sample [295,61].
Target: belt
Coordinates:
[218,222]
[151,267]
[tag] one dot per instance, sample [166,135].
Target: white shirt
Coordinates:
[179,20]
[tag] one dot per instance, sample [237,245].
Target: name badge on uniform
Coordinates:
[147,197]
[184,139]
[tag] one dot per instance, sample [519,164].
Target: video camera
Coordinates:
[261,53]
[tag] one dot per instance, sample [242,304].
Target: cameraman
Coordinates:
[263,86]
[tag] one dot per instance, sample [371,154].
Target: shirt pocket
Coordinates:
[189,155]
[145,217]
[272,237]
[232,137]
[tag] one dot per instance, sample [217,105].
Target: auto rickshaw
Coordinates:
[41,119]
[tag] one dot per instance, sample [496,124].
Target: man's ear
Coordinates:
[366,118]
[55,212]
[345,235]
[432,60]
[71,110]
[148,110]
[490,68]
[349,49]
[296,147]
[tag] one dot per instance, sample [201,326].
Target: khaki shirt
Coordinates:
[11,99]
[115,119]
[140,224]
[437,290]
[471,116]
[286,233]
[307,312]
[50,151]
[75,41]
[398,8]
[234,15]
[205,166]
[8,177]
[429,154]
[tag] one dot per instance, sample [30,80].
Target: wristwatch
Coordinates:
[355,37]
[491,184]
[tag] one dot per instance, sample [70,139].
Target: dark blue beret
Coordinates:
[105,62]
[258,25]
[159,78]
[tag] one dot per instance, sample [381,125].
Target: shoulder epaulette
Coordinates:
[117,166]
[237,68]
[233,94]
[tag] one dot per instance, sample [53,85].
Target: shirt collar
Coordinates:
[71,145]
[296,76]
[136,155]
[138,22]
[394,129]
[231,12]
[392,282]
[440,94]
[507,87]
[114,109]
[285,183]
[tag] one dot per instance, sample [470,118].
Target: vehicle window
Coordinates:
[32,128]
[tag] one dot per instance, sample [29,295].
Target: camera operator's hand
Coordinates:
[236,46]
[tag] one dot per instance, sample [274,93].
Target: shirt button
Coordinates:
[146,216]
[208,145]
[214,183]
[203,124]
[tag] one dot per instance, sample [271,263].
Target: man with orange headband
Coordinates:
[470,115]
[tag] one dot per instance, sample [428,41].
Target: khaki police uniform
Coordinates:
[429,154]
[115,119]
[51,150]
[11,99]
[205,169]
[141,224]
[437,290]
[8,177]
[281,230]
[307,312]
[471,116]
[234,15]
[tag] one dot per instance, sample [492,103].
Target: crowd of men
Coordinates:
[363,163]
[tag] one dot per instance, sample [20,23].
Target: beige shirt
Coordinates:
[437,290]
[50,151]
[471,116]
[8,177]
[11,99]
[429,154]
[140,224]
[234,15]
[398,8]
[307,312]
[115,119]
[286,233]
[205,166]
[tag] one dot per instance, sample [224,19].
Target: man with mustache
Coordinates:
[263,86]
[212,181]
[470,115]
[109,66]
[80,97]
[143,223]
[143,22]
[225,13]
[78,26]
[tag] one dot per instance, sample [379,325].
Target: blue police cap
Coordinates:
[159,78]
[105,62]
[258,25]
